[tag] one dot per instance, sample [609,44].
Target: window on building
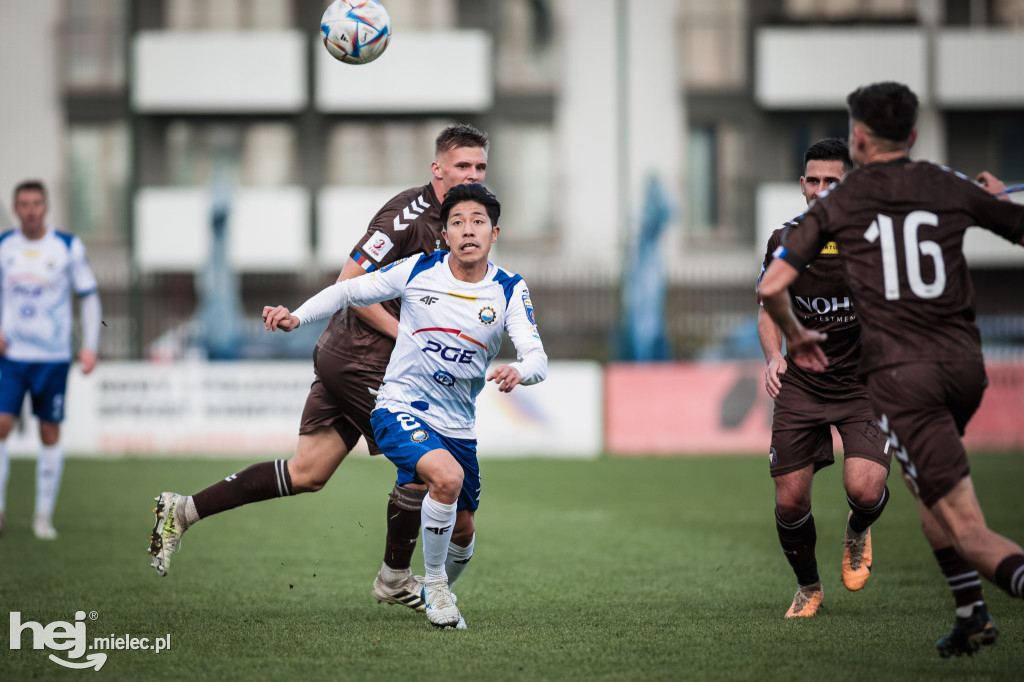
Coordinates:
[254,154]
[718,186]
[810,10]
[420,15]
[713,44]
[368,153]
[92,40]
[97,181]
[526,47]
[191,15]
[521,171]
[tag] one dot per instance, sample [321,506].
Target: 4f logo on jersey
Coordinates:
[450,353]
[429,300]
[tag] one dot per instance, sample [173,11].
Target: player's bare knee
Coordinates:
[49,433]
[446,483]
[793,510]
[866,494]
[305,478]
[792,502]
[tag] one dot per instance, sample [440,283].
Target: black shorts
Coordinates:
[924,407]
[341,397]
[802,434]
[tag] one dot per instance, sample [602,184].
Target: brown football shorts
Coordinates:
[802,434]
[340,397]
[924,407]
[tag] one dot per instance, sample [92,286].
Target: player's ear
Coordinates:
[913,137]
[435,168]
[494,233]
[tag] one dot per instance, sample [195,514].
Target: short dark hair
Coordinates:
[472,191]
[889,109]
[459,135]
[829,149]
[30,186]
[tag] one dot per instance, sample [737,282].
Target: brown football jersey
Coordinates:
[409,223]
[899,227]
[822,301]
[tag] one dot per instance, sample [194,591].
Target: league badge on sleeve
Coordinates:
[528,304]
[378,245]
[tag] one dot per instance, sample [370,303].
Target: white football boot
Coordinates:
[42,526]
[406,592]
[441,609]
[166,537]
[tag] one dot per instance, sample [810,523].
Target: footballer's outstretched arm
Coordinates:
[381,285]
[373,315]
[802,342]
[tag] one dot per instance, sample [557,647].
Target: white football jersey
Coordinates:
[35,294]
[448,333]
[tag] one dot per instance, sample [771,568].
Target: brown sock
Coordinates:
[1010,575]
[403,526]
[259,482]
[798,539]
[963,580]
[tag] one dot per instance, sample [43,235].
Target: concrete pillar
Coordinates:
[31,123]
[612,134]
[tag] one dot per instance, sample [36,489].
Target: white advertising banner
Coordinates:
[254,408]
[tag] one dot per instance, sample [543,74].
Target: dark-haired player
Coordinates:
[39,268]
[350,358]
[426,409]
[899,226]
[808,404]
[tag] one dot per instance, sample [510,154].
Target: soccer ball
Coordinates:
[356,31]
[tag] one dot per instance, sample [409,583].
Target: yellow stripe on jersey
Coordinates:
[463,296]
[831,248]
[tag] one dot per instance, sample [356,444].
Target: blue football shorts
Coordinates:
[46,382]
[405,439]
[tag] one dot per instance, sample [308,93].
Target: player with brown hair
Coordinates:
[899,227]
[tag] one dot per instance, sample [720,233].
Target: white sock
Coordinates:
[48,471]
[458,559]
[391,575]
[5,467]
[437,520]
[186,513]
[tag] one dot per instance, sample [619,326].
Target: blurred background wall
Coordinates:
[130,110]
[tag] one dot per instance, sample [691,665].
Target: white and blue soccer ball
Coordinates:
[356,31]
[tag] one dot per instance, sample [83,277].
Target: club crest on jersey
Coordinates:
[487,315]
[528,304]
[444,378]
[418,436]
[378,245]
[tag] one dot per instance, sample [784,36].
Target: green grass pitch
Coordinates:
[616,569]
